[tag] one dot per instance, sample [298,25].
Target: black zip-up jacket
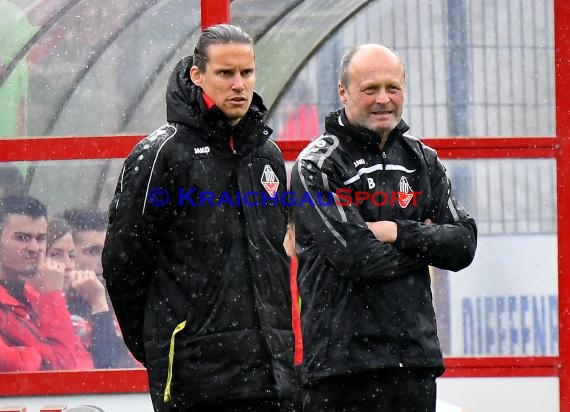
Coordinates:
[195,263]
[367,304]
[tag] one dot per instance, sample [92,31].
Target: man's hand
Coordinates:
[384,230]
[86,283]
[49,276]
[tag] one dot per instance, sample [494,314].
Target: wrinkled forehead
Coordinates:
[376,60]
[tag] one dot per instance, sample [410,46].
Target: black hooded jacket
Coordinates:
[368,304]
[195,263]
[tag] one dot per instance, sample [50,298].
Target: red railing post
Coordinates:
[562,71]
[214,12]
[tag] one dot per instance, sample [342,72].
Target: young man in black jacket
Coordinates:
[194,260]
[382,210]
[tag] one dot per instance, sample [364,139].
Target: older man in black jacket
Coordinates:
[381,211]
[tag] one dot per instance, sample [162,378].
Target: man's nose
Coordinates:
[238,83]
[36,245]
[382,96]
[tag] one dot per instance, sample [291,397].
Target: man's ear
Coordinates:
[342,92]
[195,75]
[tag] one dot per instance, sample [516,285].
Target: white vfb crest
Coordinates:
[405,193]
[269,180]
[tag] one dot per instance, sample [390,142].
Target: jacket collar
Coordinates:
[28,292]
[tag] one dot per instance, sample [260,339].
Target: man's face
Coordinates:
[22,244]
[88,250]
[229,78]
[374,98]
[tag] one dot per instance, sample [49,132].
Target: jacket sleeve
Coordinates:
[108,349]
[15,356]
[335,227]
[450,241]
[18,358]
[64,350]
[45,340]
[127,259]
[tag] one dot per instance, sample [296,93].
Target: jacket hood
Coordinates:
[184,103]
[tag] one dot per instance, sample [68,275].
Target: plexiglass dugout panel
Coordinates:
[506,302]
[92,68]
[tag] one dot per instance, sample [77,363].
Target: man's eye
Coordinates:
[22,237]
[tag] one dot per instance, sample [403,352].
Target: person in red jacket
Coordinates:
[36,332]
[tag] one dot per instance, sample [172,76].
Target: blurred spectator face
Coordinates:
[63,251]
[22,242]
[88,250]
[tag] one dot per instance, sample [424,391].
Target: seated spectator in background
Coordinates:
[87,302]
[89,228]
[11,181]
[36,332]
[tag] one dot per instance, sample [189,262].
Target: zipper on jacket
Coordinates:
[383,160]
